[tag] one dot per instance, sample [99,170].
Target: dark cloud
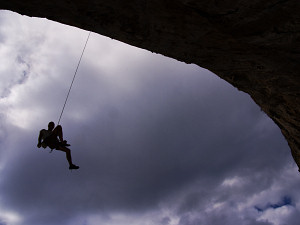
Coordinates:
[286,200]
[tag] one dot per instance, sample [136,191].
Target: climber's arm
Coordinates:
[40,139]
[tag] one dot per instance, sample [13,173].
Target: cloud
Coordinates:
[285,201]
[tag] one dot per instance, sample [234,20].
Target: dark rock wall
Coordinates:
[254,45]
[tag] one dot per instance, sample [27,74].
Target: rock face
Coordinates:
[254,45]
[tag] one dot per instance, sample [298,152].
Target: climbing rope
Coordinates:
[62,111]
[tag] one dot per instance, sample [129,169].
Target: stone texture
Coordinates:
[254,45]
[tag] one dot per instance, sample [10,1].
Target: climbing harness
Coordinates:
[62,111]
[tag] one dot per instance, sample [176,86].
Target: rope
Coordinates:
[62,111]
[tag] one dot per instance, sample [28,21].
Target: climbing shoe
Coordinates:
[73,167]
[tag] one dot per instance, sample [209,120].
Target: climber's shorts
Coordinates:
[52,142]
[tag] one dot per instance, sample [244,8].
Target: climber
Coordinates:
[53,138]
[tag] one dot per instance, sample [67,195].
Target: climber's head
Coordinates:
[51,125]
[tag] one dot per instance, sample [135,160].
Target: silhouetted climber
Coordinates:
[53,138]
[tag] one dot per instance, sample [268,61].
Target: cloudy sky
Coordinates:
[158,142]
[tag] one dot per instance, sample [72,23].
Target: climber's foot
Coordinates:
[73,167]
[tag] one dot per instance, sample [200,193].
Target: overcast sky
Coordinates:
[158,142]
